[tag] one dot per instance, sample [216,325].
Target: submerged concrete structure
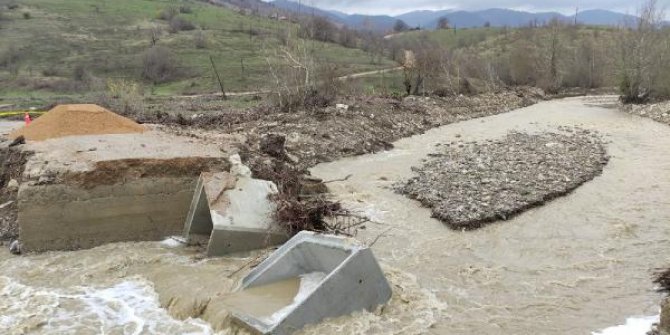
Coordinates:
[83,191]
[352,281]
[232,212]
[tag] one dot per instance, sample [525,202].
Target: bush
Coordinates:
[10,59]
[200,40]
[79,73]
[123,96]
[178,24]
[50,72]
[168,13]
[27,16]
[185,9]
[159,65]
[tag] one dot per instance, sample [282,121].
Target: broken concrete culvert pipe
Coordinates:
[336,276]
[232,212]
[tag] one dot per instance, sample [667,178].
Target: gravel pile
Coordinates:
[470,184]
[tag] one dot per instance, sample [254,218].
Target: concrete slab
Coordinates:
[84,191]
[351,281]
[233,213]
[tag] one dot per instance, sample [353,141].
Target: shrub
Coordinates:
[79,72]
[185,9]
[200,40]
[159,65]
[123,96]
[50,72]
[178,24]
[168,13]
[27,16]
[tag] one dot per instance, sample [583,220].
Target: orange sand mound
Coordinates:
[69,120]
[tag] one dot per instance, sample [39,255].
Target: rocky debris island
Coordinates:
[470,184]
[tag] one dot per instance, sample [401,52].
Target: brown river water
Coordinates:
[577,265]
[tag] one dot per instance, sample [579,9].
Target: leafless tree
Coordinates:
[443,23]
[642,50]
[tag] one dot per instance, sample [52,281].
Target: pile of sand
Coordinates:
[69,120]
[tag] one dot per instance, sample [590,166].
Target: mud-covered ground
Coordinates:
[369,124]
[470,184]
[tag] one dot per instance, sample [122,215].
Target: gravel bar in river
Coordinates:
[468,185]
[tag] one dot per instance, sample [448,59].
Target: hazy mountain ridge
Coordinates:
[427,19]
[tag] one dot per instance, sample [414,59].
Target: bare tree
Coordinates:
[641,47]
[400,26]
[443,23]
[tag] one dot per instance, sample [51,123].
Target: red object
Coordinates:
[27,119]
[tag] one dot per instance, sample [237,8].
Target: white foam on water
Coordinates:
[172,242]
[308,283]
[633,326]
[130,307]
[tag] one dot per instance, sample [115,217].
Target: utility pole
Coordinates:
[218,78]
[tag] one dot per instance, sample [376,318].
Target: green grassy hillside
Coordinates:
[65,45]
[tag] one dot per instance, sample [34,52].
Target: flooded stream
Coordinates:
[577,265]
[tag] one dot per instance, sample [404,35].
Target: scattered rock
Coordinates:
[273,144]
[18,141]
[15,247]
[342,107]
[474,184]
[12,185]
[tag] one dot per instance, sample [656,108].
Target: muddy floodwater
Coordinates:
[576,265]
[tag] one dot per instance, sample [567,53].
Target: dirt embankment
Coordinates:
[12,162]
[370,124]
[470,184]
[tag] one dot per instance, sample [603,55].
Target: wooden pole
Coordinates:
[218,78]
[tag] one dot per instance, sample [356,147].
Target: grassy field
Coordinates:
[49,42]
[453,38]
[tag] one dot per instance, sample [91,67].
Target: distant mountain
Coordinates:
[427,19]
[297,7]
[380,23]
[603,17]
[371,22]
[498,17]
[421,17]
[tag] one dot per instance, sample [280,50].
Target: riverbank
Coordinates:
[468,185]
[309,137]
[659,111]
[576,265]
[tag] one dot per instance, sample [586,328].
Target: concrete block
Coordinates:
[351,281]
[232,212]
[68,217]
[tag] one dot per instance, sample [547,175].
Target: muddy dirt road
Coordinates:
[578,264]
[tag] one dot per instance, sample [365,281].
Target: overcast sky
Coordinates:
[394,7]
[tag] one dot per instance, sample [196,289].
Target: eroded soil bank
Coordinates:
[468,185]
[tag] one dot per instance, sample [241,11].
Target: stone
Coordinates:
[13,185]
[273,144]
[15,248]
